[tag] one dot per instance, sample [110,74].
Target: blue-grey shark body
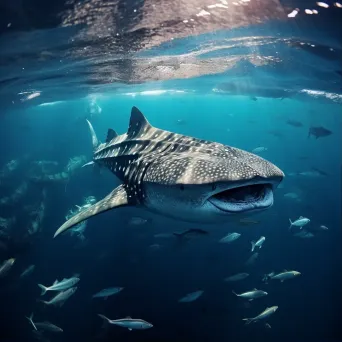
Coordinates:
[179,176]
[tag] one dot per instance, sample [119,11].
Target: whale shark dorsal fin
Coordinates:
[138,124]
[111,134]
[117,198]
[301,217]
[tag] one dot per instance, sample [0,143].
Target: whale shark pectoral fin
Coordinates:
[94,139]
[87,164]
[117,198]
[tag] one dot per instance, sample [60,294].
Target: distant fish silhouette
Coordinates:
[191,232]
[294,123]
[180,122]
[320,172]
[247,221]
[319,132]
[276,133]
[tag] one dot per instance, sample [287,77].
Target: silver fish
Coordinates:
[105,293]
[230,238]
[59,286]
[259,243]
[251,260]
[47,326]
[6,266]
[259,149]
[137,221]
[191,297]
[237,277]
[265,314]
[61,298]
[27,271]
[250,295]
[300,222]
[285,275]
[30,318]
[129,323]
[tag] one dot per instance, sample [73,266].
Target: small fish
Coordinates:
[304,234]
[237,277]
[300,222]
[322,228]
[59,286]
[250,295]
[259,243]
[90,199]
[319,132]
[260,149]
[192,232]
[105,293]
[285,275]
[230,238]
[294,123]
[265,314]
[291,195]
[320,172]
[83,207]
[191,297]
[47,326]
[6,266]
[276,133]
[316,229]
[268,326]
[137,221]
[28,271]
[61,298]
[164,235]
[251,260]
[154,247]
[180,122]
[247,221]
[30,318]
[312,174]
[292,174]
[129,323]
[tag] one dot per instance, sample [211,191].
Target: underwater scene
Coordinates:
[170,171]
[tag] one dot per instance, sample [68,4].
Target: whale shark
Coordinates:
[179,176]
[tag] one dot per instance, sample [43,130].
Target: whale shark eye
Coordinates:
[182,187]
[214,187]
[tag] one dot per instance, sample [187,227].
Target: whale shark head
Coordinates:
[179,176]
[206,188]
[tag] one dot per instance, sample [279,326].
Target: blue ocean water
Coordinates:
[263,86]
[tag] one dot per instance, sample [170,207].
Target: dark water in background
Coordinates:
[240,87]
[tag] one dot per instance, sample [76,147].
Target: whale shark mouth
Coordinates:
[244,198]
